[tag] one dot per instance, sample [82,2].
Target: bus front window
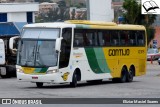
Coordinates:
[37,48]
[40,53]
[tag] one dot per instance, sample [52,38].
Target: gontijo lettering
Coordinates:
[118,52]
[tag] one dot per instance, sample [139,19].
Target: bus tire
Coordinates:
[39,84]
[74,80]
[123,77]
[130,75]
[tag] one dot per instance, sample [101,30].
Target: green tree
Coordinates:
[51,16]
[133,16]
[133,11]
[58,14]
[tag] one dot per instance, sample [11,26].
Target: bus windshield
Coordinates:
[38,52]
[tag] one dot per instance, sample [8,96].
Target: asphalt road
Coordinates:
[146,86]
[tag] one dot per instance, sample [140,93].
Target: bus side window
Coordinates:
[132,37]
[89,37]
[122,38]
[78,38]
[95,38]
[115,38]
[107,37]
[76,41]
[140,38]
[101,40]
[132,42]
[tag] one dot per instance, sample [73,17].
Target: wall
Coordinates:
[18,7]
[17,17]
[17,12]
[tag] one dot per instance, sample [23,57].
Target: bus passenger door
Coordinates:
[65,48]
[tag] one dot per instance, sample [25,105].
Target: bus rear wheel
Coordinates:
[39,84]
[74,81]
[123,77]
[130,75]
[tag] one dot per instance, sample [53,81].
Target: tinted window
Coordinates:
[78,38]
[115,38]
[140,38]
[92,37]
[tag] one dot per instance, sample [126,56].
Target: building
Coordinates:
[79,13]
[23,0]
[156,26]
[45,7]
[71,2]
[18,12]
[3,1]
[100,10]
[118,9]
[11,1]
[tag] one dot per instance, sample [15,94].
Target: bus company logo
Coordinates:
[119,52]
[150,6]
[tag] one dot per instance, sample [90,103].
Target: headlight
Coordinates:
[19,70]
[51,71]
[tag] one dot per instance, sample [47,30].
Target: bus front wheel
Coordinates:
[39,84]
[74,80]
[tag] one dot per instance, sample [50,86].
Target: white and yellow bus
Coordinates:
[74,50]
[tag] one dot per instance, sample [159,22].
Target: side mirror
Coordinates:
[13,44]
[58,44]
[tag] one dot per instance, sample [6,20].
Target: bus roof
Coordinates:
[49,25]
[88,25]
[105,25]
[87,22]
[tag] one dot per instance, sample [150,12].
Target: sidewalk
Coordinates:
[153,63]
[153,66]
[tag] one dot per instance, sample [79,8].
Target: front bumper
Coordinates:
[46,78]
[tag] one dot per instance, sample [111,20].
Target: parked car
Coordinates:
[153,53]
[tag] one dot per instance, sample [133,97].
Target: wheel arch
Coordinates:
[124,66]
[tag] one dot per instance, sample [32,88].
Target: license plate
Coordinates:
[34,77]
